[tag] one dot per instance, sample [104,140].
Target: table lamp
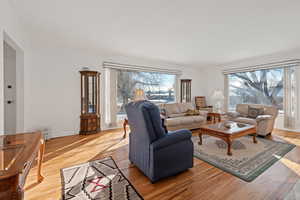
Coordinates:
[139,95]
[218,97]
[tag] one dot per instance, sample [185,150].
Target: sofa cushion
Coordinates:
[178,121]
[176,115]
[254,112]
[245,120]
[171,108]
[268,110]
[152,117]
[184,120]
[184,107]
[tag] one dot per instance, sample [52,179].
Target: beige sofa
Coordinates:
[176,118]
[264,122]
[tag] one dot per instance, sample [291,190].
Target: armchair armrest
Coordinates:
[163,113]
[233,114]
[203,113]
[162,116]
[172,138]
[263,117]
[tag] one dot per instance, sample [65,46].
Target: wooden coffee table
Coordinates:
[218,130]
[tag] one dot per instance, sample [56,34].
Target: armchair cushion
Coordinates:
[207,109]
[152,116]
[245,120]
[233,114]
[172,138]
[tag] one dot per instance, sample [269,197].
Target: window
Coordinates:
[121,85]
[260,87]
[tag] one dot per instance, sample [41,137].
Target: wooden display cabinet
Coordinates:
[90,102]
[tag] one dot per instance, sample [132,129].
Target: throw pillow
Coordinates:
[190,112]
[254,112]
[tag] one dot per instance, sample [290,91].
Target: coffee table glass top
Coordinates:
[228,127]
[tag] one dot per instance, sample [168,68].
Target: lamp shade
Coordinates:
[139,95]
[218,95]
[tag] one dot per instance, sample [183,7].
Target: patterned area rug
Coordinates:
[100,179]
[294,194]
[248,161]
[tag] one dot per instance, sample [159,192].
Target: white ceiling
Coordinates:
[194,32]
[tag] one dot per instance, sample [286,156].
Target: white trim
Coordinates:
[226,93]
[176,87]
[280,64]
[140,68]
[107,116]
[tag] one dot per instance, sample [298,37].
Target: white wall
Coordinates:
[213,76]
[50,76]
[11,29]
[53,84]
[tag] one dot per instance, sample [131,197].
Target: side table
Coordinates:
[215,116]
[125,123]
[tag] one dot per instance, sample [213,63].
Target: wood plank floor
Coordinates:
[203,181]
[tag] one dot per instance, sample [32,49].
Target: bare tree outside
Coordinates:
[157,87]
[259,87]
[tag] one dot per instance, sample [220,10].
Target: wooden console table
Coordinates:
[17,154]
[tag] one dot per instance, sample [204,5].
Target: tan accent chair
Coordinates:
[175,116]
[264,123]
[200,103]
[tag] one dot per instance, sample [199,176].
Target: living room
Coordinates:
[229,53]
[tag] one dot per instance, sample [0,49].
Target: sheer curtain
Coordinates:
[290,98]
[226,94]
[110,108]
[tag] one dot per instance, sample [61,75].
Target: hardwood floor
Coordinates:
[203,181]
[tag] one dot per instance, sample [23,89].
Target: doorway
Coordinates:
[13,86]
[10,95]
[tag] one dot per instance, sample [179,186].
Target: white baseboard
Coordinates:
[297,130]
[56,134]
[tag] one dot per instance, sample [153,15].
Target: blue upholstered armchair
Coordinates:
[156,153]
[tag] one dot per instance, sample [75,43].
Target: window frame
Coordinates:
[227,87]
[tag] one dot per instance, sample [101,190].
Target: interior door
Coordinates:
[10,114]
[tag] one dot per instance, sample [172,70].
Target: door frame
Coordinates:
[19,83]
